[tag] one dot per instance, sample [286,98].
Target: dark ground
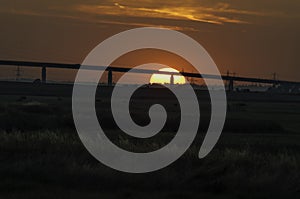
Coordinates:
[257,156]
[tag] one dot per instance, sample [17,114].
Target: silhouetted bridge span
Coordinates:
[111,69]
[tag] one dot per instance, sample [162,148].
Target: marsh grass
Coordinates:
[55,162]
[42,157]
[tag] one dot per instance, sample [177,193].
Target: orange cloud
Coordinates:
[182,13]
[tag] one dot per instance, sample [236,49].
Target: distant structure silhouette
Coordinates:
[285,86]
[172,80]
[110,78]
[18,73]
[44,76]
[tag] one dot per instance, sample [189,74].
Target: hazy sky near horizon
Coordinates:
[249,37]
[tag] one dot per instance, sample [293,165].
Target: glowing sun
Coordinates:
[166,79]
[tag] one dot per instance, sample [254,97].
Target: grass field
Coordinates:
[257,156]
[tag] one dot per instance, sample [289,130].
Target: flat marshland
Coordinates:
[257,156]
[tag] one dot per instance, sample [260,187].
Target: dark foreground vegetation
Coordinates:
[257,156]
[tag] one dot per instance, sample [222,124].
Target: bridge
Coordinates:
[110,69]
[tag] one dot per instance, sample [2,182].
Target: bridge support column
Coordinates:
[109,78]
[230,86]
[172,80]
[44,74]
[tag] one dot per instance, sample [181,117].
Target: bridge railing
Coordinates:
[111,69]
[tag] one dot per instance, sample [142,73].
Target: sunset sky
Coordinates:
[249,37]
